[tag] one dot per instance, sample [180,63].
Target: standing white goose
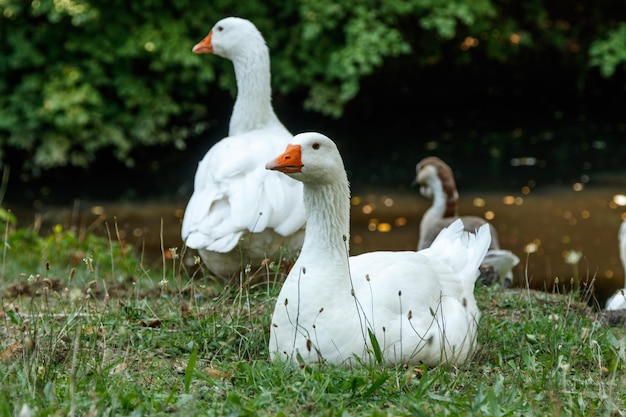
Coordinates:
[240,214]
[397,307]
[618,300]
[436,181]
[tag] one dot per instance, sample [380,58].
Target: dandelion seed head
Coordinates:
[572,257]
[75,295]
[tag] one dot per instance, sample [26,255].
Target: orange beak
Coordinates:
[289,161]
[204,46]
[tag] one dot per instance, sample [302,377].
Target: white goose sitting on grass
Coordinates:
[239,213]
[618,300]
[391,307]
[436,181]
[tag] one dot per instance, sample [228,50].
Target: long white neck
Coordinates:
[253,106]
[436,211]
[328,221]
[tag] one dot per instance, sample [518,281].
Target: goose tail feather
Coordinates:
[462,251]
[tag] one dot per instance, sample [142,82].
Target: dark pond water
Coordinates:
[540,225]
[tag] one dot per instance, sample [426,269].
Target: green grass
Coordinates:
[87,329]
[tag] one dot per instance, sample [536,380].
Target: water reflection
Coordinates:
[545,227]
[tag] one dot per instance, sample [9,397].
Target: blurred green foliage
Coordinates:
[609,52]
[79,77]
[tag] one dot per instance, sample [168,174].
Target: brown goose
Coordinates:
[436,181]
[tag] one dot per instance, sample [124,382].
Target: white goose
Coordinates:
[239,213]
[436,181]
[397,307]
[618,300]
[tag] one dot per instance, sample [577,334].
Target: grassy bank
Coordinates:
[87,329]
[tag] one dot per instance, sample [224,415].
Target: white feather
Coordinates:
[240,213]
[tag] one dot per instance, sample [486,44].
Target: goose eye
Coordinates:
[220,28]
[316,145]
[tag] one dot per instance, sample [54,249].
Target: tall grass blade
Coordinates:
[378,354]
[191,366]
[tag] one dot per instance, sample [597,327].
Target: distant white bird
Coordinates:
[395,307]
[436,181]
[618,300]
[239,213]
